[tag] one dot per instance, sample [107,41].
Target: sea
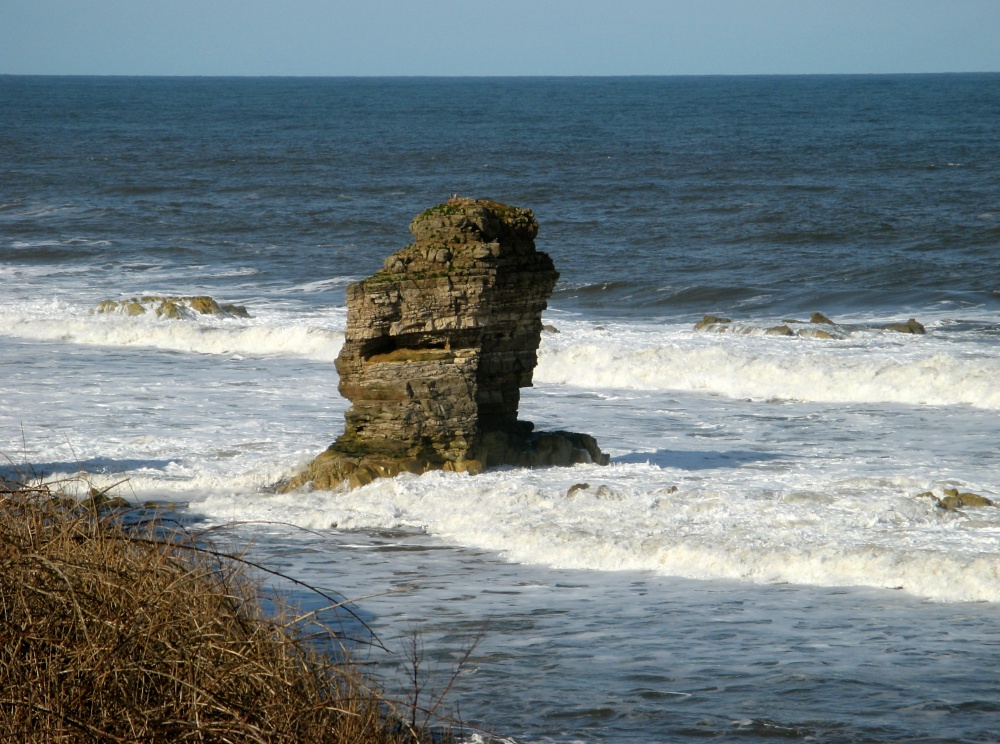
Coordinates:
[765,558]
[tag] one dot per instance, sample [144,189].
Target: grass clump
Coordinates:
[118,632]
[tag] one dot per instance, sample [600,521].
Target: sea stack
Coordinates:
[437,346]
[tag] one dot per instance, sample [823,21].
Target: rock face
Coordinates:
[437,347]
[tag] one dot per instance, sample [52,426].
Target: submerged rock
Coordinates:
[781,330]
[820,318]
[437,347]
[126,307]
[711,320]
[169,309]
[238,311]
[953,499]
[204,305]
[910,326]
[100,500]
[814,333]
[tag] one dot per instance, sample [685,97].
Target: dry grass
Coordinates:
[119,633]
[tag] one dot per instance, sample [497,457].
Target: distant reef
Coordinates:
[437,346]
[173,308]
[818,326]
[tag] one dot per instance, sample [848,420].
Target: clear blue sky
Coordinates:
[497,37]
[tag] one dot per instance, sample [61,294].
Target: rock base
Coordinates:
[335,468]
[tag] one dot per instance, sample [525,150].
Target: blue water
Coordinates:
[663,194]
[759,565]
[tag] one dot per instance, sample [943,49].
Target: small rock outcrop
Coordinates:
[709,321]
[781,330]
[910,326]
[437,346]
[815,333]
[952,499]
[803,329]
[172,308]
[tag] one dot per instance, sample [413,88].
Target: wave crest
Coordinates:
[187,336]
[767,369]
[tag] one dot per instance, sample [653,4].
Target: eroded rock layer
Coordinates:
[438,345]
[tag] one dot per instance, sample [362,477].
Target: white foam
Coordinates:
[209,336]
[866,532]
[767,492]
[887,368]
[244,271]
[323,285]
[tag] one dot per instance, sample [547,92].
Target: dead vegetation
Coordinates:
[114,631]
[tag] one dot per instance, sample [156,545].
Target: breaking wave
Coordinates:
[866,533]
[224,338]
[782,369]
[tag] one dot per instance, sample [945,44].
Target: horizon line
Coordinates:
[497,76]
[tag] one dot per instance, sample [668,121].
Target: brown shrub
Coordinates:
[119,633]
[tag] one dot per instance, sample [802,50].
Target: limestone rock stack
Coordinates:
[438,345]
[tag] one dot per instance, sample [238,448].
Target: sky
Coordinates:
[497,37]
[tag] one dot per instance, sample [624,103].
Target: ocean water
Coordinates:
[755,564]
